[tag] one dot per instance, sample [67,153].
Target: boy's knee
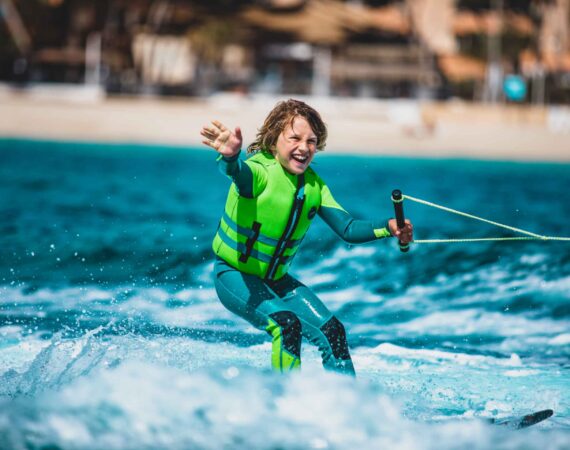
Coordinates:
[287,321]
[336,336]
[289,327]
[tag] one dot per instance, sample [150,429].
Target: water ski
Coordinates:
[523,421]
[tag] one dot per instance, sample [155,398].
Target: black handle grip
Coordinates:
[398,201]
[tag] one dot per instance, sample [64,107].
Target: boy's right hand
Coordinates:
[405,235]
[224,141]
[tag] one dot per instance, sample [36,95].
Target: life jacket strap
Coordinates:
[253,253]
[292,222]
[248,232]
[250,241]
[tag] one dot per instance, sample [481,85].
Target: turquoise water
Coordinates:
[111,335]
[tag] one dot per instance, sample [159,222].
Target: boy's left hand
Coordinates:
[405,235]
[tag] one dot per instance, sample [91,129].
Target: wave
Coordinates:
[141,405]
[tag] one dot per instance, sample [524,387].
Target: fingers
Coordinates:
[211,133]
[206,131]
[210,140]
[208,143]
[222,139]
[404,238]
[214,131]
[219,125]
[208,135]
[405,234]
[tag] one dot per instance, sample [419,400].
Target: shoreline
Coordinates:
[406,128]
[151,147]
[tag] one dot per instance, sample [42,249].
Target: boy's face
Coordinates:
[296,146]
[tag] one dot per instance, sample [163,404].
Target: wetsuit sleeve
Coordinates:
[351,230]
[249,177]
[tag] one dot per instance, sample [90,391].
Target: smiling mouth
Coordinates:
[300,159]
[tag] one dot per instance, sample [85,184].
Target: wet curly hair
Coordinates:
[284,114]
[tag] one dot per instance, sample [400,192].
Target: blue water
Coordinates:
[111,335]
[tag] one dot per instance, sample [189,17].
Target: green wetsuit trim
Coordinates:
[281,359]
[382,232]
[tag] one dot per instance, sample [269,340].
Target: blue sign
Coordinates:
[514,88]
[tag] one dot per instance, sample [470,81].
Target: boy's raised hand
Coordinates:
[224,141]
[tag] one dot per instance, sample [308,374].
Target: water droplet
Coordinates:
[231,372]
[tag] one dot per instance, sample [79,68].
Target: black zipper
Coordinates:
[292,222]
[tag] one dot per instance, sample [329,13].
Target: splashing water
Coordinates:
[111,335]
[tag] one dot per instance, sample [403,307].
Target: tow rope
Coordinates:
[398,198]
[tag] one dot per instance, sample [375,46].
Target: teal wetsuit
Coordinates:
[283,306]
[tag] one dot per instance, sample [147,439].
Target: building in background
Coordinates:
[375,48]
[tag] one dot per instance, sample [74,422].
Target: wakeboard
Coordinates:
[519,422]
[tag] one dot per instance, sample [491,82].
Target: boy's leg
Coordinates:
[250,298]
[285,308]
[318,324]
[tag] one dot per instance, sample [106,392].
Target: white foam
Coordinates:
[357,293]
[20,354]
[474,321]
[438,356]
[561,339]
[141,405]
[145,405]
[11,331]
[520,373]
[533,259]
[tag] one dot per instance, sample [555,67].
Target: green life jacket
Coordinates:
[261,235]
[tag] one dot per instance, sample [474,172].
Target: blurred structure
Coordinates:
[375,48]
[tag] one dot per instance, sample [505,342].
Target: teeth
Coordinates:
[300,158]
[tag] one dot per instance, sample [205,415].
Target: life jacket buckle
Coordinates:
[256,227]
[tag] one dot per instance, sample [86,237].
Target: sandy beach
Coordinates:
[453,129]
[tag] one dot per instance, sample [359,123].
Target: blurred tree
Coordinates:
[211,37]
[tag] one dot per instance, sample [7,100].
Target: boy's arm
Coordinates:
[249,178]
[351,230]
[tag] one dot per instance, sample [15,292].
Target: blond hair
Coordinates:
[284,114]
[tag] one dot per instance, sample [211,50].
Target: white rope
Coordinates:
[529,235]
[441,241]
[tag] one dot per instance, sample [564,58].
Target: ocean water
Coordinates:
[111,335]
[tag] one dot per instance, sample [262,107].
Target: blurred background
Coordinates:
[437,49]
[513,55]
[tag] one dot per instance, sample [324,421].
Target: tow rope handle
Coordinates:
[398,201]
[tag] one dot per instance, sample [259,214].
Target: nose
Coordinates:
[304,146]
